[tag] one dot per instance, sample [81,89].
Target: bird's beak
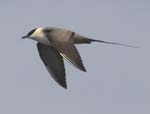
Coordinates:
[24,37]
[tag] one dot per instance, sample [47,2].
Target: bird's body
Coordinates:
[54,44]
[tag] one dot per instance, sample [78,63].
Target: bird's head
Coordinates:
[35,33]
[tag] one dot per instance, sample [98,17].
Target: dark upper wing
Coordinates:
[53,62]
[61,39]
[70,53]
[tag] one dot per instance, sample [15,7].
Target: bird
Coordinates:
[55,44]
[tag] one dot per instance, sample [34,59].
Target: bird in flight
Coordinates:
[55,44]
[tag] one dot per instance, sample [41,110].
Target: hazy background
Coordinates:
[118,78]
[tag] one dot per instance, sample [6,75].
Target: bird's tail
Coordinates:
[91,40]
[88,40]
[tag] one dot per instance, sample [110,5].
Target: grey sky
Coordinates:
[117,81]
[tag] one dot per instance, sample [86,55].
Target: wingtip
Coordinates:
[84,70]
[65,88]
[64,85]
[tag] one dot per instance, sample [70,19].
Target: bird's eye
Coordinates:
[31,32]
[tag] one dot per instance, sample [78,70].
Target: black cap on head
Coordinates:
[31,32]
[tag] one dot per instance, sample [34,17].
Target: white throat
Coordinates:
[39,36]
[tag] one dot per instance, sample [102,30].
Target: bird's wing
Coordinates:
[53,62]
[61,39]
[70,53]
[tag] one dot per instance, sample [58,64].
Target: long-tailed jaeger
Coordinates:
[54,44]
